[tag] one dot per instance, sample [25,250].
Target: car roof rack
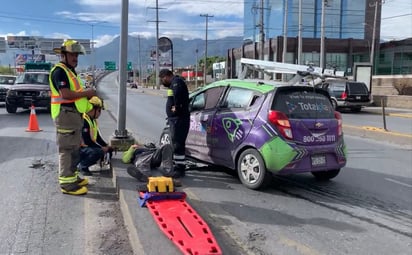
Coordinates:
[299,71]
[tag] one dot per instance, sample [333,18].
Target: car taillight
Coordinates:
[281,121]
[338,117]
[344,95]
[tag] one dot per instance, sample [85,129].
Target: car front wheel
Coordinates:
[326,175]
[252,171]
[10,108]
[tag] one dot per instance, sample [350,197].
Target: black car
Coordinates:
[348,94]
[30,88]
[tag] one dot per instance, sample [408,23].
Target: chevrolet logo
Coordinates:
[318,124]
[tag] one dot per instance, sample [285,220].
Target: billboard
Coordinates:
[21,59]
[23,42]
[2,45]
[48,44]
[165,53]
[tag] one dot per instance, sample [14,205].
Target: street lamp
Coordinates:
[92,24]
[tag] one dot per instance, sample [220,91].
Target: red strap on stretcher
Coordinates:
[181,224]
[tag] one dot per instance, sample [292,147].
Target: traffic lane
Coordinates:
[31,200]
[224,202]
[311,215]
[37,212]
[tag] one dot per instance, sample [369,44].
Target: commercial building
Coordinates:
[350,29]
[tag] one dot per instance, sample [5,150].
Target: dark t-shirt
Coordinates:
[88,140]
[180,99]
[60,80]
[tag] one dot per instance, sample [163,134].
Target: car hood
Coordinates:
[30,87]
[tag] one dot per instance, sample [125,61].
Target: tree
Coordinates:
[210,60]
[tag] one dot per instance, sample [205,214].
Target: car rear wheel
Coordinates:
[10,108]
[326,175]
[165,137]
[356,109]
[252,171]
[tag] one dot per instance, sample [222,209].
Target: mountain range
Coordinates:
[184,51]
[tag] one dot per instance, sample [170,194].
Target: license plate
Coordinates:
[318,160]
[358,97]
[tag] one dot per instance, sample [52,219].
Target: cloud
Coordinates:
[104,39]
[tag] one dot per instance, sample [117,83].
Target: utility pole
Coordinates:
[197,64]
[300,34]
[207,16]
[157,21]
[372,54]
[285,37]
[93,59]
[140,61]
[322,35]
[262,36]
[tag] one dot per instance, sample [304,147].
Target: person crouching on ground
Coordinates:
[93,147]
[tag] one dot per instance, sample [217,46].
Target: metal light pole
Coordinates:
[207,16]
[285,37]
[300,34]
[93,59]
[197,64]
[322,35]
[371,59]
[157,45]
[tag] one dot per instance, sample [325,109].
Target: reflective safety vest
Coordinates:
[82,104]
[93,128]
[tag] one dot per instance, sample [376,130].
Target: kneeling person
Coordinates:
[93,146]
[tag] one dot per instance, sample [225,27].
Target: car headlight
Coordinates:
[11,92]
[44,94]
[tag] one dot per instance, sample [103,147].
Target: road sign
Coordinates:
[109,65]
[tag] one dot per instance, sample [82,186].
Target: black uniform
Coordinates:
[179,120]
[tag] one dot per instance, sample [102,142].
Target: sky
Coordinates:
[100,20]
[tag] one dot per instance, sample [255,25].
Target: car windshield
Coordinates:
[33,78]
[303,104]
[8,80]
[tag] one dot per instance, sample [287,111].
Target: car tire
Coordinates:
[356,109]
[10,108]
[326,175]
[252,171]
[165,137]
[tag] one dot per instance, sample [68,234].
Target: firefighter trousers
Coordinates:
[68,138]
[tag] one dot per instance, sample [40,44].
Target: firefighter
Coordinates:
[178,116]
[93,146]
[68,102]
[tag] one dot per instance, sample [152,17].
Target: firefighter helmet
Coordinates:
[71,46]
[96,102]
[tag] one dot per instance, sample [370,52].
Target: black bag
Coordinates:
[155,159]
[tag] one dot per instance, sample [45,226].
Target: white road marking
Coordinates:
[398,182]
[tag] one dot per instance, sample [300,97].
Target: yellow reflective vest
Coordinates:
[82,104]
[93,128]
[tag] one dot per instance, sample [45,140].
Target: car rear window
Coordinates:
[357,88]
[303,104]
